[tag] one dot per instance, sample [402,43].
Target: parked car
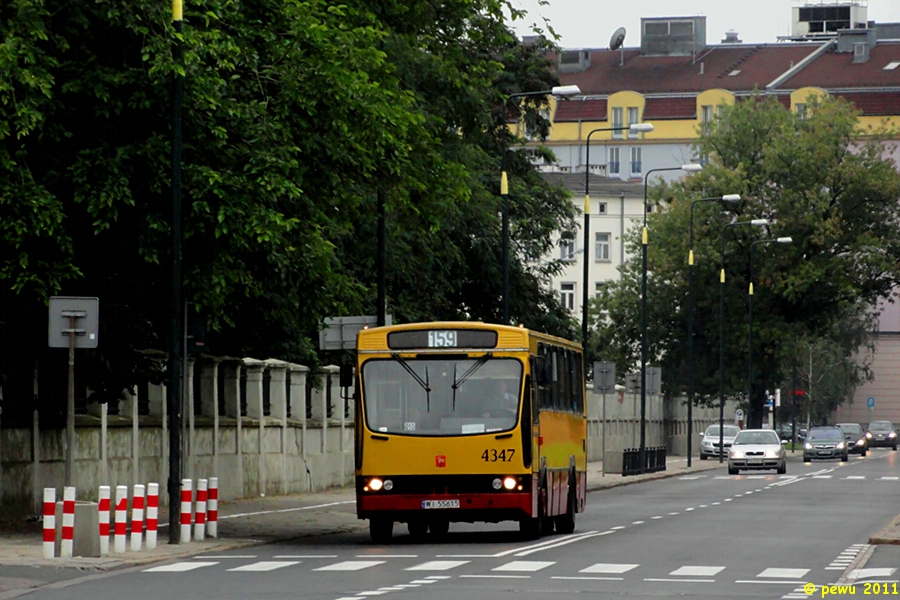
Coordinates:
[709,445]
[785,432]
[825,442]
[855,438]
[882,433]
[757,449]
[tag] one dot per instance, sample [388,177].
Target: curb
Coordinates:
[651,477]
[890,535]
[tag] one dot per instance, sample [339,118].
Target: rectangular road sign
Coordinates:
[86,313]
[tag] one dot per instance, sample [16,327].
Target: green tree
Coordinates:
[821,181]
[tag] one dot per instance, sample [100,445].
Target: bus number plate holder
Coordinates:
[440,504]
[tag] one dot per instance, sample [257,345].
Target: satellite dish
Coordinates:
[618,37]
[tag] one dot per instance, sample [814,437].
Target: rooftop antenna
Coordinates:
[615,43]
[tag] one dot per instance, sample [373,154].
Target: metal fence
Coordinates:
[655,460]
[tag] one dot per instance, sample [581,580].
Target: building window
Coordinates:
[706,117]
[632,120]
[567,249]
[601,208]
[601,247]
[801,112]
[617,121]
[635,161]
[613,161]
[567,295]
[599,287]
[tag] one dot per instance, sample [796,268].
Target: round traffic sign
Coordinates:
[739,414]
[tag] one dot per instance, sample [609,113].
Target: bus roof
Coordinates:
[509,336]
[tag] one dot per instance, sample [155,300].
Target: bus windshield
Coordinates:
[441,396]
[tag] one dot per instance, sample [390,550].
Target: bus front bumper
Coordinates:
[468,508]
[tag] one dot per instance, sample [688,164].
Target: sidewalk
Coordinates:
[258,521]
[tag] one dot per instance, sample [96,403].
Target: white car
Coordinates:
[757,449]
[709,445]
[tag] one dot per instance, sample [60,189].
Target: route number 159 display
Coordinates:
[441,339]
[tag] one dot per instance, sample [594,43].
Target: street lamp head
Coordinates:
[565,90]
[691,168]
[731,198]
[784,240]
[759,222]
[640,127]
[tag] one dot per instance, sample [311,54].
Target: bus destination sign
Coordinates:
[442,338]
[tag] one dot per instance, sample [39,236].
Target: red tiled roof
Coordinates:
[670,108]
[785,100]
[875,104]
[837,70]
[580,110]
[753,65]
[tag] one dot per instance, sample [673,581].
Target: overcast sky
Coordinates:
[590,23]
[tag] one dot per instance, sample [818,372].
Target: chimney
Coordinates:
[731,37]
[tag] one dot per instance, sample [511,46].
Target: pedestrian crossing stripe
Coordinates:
[438,565]
[266,565]
[524,565]
[351,565]
[179,567]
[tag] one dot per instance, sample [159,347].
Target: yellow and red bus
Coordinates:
[468,422]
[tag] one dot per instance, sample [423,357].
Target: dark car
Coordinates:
[825,442]
[855,438]
[786,433]
[882,433]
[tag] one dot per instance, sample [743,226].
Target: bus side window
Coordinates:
[579,385]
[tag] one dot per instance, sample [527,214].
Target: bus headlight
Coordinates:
[497,484]
[375,484]
[509,483]
[388,485]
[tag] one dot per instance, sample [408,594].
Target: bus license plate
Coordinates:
[440,503]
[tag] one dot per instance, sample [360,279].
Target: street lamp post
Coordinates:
[560,91]
[750,412]
[757,223]
[690,323]
[637,127]
[688,168]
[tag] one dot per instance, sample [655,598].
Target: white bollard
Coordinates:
[185,511]
[121,515]
[103,518]
[49,546]
[137,517]
[212,508]
[152,504]
[67,543]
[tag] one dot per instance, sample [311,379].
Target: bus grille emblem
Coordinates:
[440,461]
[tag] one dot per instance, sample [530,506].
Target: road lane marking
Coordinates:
[608,568]
[423,581]
[658,517]
[387,556]
[438,577]
[266,565]
[698,571]
[179,567]
[465,555]
[390,589]
[637,522]
[371,593]
[351,565]
[855,477]
[563,543]
[890,478]
[769,581]
[590,578]
[493,577]
[689,509]
[245,556]
[306,556]
[786,573]
[278,511]
[524,565]
[663,579]
[703,506]
[716,503]
[407,585]
[673,513]
[567,539]
[438,565]
[871,572]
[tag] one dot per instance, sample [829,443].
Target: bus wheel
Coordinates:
[417,528]
[439,527]
[566,523]
[381,530]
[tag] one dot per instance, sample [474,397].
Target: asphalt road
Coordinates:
[706,535]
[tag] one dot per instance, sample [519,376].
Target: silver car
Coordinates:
[709,444]
[757,449]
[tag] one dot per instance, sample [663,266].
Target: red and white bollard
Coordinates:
[66,546]
[152,505]
[121,527]
[137,517]
[185,511]
[200,512]
[49,545]
[212,508]
[103,518]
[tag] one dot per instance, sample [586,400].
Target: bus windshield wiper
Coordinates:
[419,380]
[457,383]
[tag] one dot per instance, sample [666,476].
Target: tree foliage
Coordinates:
[296,114]
[819,180]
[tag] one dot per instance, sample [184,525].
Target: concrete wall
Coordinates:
[665,423]
[251,455]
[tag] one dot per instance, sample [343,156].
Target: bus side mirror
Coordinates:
[346,375]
